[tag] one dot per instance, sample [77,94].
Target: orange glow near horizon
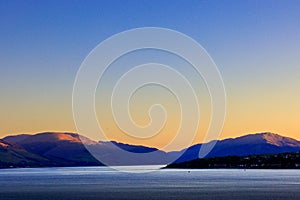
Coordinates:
[245,115]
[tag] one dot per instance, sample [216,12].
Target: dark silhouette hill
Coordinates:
[69,149]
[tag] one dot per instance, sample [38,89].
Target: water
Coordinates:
[105,183]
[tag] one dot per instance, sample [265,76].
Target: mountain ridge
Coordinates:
[68,149]
[250,144]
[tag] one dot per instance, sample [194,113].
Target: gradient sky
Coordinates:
[255,44]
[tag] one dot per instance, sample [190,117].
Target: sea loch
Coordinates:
[105,183]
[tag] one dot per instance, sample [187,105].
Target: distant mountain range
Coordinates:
[52,149]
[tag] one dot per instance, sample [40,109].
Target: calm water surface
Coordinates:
[105,183]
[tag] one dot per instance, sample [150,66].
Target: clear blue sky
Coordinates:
[256,45]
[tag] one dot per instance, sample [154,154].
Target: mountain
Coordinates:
[65,149]
[252,144]
[69,149]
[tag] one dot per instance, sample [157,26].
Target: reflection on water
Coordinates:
[106,183]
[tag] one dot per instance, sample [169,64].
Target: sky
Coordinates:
[255,44]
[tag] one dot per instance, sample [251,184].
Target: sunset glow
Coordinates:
[255,46]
